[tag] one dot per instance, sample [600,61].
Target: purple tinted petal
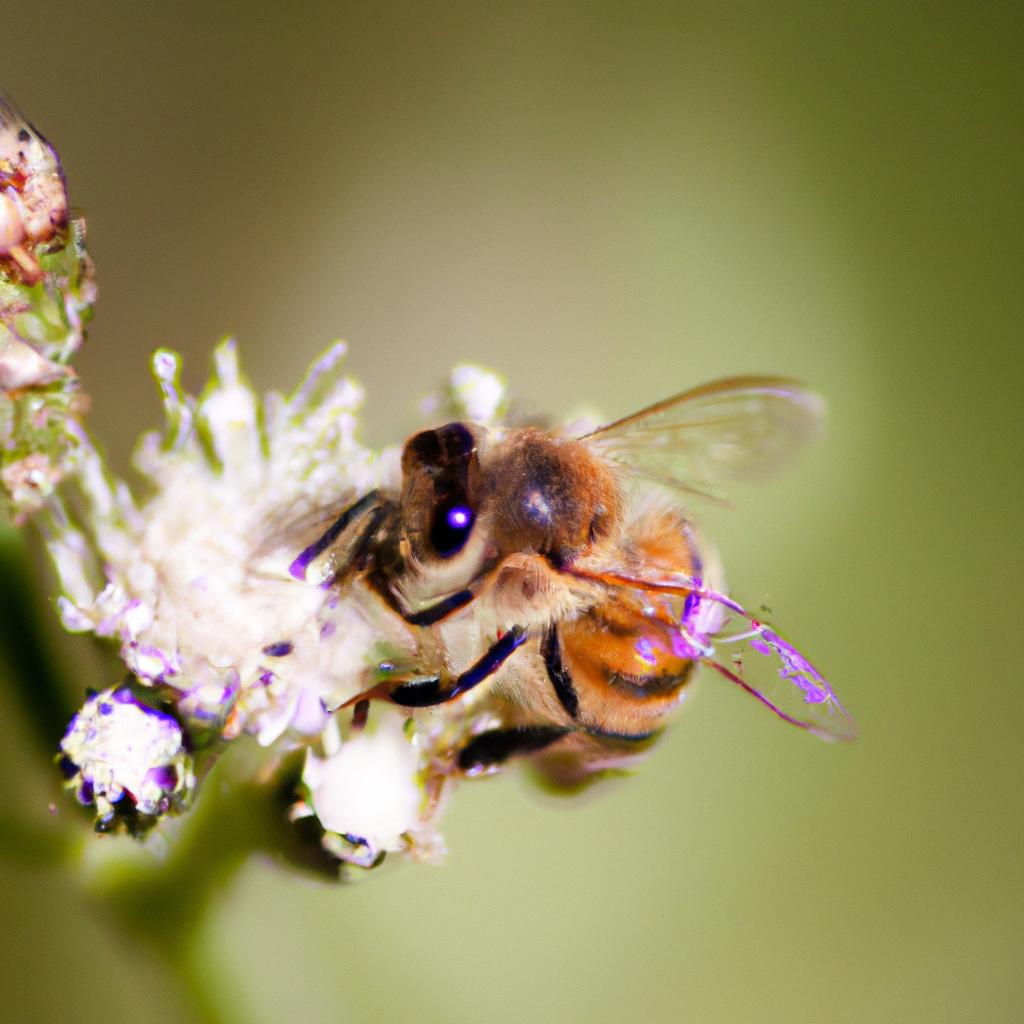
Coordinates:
[164,776]
[278,650]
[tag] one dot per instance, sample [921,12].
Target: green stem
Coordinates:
[162,906]
[24,647]
[165,907]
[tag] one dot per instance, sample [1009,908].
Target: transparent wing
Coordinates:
[748,652]
[741,428]
[771,669]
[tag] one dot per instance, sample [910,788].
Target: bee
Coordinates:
[553,577]
[33,195]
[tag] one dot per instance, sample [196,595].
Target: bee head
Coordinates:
[440,490]
[527,491]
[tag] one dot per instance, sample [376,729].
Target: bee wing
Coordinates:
[747,651]
[770,668]
[740,428]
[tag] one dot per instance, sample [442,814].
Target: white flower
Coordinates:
[195,583]
[471,392]
[366,793]
[126,759]
[21,366]
[30,481]
[479,392]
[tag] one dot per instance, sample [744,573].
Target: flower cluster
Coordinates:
[46,296]
[194,588]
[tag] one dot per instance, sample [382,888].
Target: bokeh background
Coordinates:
[608,203]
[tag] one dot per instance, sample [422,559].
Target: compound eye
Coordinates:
[439,484]
[451,528]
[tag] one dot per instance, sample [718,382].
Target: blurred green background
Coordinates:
[609,203]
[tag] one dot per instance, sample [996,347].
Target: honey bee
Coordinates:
[33,196]
[554,577]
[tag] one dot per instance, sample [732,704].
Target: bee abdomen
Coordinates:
[645,687]
[593,673]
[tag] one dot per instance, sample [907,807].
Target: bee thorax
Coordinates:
[549,495]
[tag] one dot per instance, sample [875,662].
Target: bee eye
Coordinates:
[439,489]
[452,525]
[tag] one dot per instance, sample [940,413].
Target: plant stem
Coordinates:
[24,648]
[165,906]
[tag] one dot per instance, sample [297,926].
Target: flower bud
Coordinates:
[367,793]
[127,760]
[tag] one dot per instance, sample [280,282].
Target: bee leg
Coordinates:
[436,612]
[331,534]
[359,553]
[439,689]
[496,746]
[360,714]
[428,616]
